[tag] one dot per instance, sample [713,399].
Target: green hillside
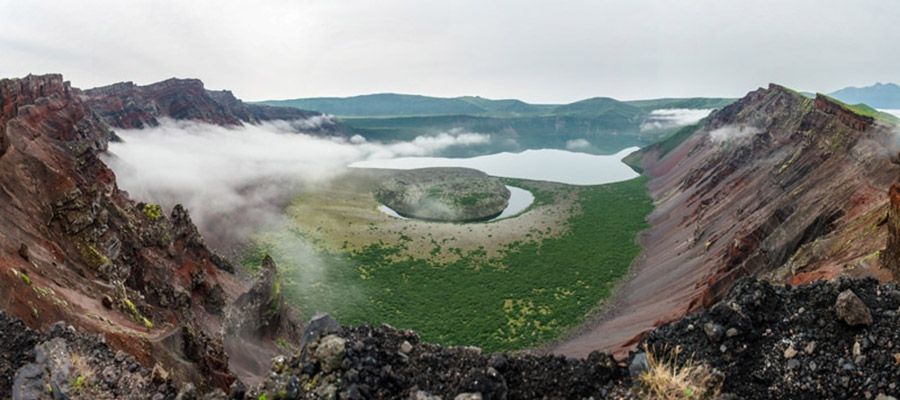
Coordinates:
[383,104]
[879,95]
[607,124]
[690,103]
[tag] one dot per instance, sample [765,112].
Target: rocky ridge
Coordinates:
[129,106]
[762,341]
[75,248]
[837,339]
[891,255]
[775,185]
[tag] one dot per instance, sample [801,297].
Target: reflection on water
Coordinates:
[519,200]
[542,165]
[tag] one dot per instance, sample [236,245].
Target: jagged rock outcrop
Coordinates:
[257,322]
[891,255]
[385,363]
[67,364]
[75,248]
[768,341]
[262,311]
[775,185]
[762,341]
[784,342]
[129,106]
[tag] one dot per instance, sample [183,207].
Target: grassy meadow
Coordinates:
[503,285]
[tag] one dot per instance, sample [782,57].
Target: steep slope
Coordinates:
[760,342]
[774,185]
[129,106]
[879,95]
[891,255]
[74,247]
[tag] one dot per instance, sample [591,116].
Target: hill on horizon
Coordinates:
[879,95]
[408,105]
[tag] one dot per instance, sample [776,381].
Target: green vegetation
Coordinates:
[382,104]
[599,106]
[635,160]
[135,314]
[92,256]
[671,142]
[866,111]
[444,194]
[78,383]
[25,279]
[609,125]
[690,103]
[152,211]
[608,132]
[535,289]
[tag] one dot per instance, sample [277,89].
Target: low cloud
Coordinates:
[577,144]
[673,117]
[236,180]
[731,133]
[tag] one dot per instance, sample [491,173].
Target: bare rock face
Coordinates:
[262,312]
[88,244]
[444,194]
[129,106]
[4,143]
[775,184]
[258,320]
[891,255]
[852,310]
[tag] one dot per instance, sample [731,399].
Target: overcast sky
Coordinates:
[539,51]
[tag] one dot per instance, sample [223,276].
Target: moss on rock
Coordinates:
[444,194]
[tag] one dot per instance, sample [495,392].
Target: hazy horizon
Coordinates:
[526,50]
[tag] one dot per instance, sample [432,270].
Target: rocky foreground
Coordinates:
[823,340]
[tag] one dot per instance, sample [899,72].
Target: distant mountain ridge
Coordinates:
[406,105]
[879,95]
[126,105]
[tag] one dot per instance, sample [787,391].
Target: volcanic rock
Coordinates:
[891,255]
[776,185]
[88,244]
[852,310]
[129,106]
[764,361]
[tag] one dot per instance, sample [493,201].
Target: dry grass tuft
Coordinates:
[82,372]
[667,379]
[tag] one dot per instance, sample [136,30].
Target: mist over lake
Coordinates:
[562,166]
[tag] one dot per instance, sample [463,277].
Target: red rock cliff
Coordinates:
[73,247]
[891,255]
[128,106]
[774,185]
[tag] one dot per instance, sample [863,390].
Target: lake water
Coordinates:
[896,113]
[542,165]
[519,200]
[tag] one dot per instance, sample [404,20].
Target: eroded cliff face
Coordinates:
[891,255]
[129,106]
[774,185]
[75,248]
